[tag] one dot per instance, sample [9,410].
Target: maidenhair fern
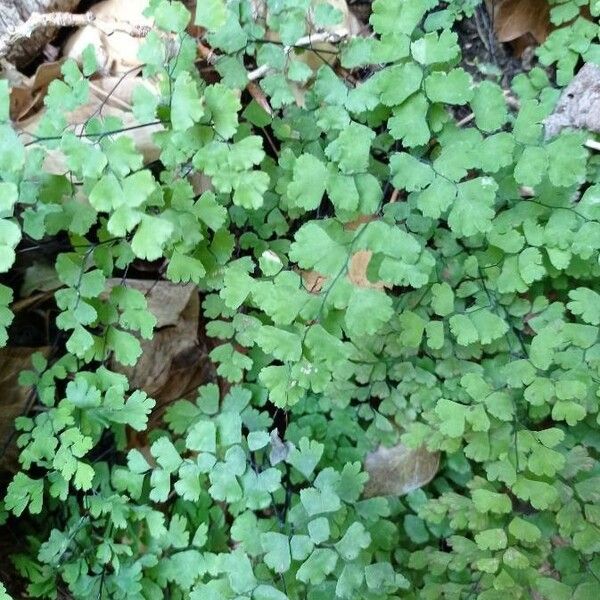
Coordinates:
[372,270]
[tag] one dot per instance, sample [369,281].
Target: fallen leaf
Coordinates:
[579,104]
[14,399]
[399,470]
[514,19]
[118,52]
[27,96]
[317,53]
[175,361]
[109,97]
[357,267]
[39,277]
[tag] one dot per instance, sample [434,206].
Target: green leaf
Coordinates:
[202,437]
[586,304]
[150,237]
[435,48]
[171,16]
[211,14]
[442,300]
[186,104]
[409,121]
[368,310]
[524,530]
[166,454]
[3,593]
[313,248]
[489,106]
[6,316]
[210,211]
[277,548]
[399,82]
[567,160]
[223,106]
[401,17]
[452,416]
[308,182]
[318,502]
[283,345]
[531,265]
[10,235]
[454,87]
[350,150]
[317,566]
[472,211]
[437,198]
[486,501]
[531,166]
[528,124]
[409,173]
[133,412]
[24,492]
[9,195]
[183,269]
[355,539]
[12,151]
[306,457]
[250,189]
[491,539]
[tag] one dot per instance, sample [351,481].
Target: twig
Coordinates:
[466,120]
[306,41]
[592,145]
[212,58]
[66,19]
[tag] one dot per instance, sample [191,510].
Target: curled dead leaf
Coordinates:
[515,19]
[27,96]
[399,470]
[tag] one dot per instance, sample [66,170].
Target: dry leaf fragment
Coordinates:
[116,53]
[514,19]
[109,96]
[399,470]
[13,399]
[175,361]
[357,270]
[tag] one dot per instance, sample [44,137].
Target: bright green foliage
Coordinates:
[463,317]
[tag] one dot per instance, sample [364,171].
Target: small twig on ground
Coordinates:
[65,19]
[306,41]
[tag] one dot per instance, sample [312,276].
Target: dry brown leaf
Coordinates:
[109,96]
[357,270]
[399,470]
[357,267]
[13,399]
[175,361]
[26,97]
[317,53]
[514,19]
[579,105]
[116,53]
